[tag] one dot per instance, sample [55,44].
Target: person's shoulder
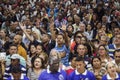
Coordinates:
[89,73]
[44,72]
[26,78]
[104,77]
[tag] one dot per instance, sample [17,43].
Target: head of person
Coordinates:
[45,38]
[29,30]
[83,40]
[111,68]
[17,39]
[81,50]
[117,39]
[32,49]
[60,39]
[44,56]
[80,64]
[89,27]
[82,27]
[54,63]
[102,51]
[13,49]
[78,34]
[117,56]
[2,33]
[104,19]
[96,62]
[54,53]
[77,19]
[73,63]
[37,62]
[16,72]
[116,30]
[103,40]
[15,59]
[39,49]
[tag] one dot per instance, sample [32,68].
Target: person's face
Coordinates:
[28,31]
[111,68]
[96,62]
[101,51]
[70,29]
[103,40]
[13,49]
[99,25]
[60,39]
[82,27]
[116,31]
[53,53]
[103,27]
[83,40]
[81,50]
[16,39]
[117,57]
[78,40]
[16,76]
[117,39]
[104,19]
[54,67]
[73,62]
[44,38]
[80,65]
[89,27]
[39,49]
[14,62]
[2,33]
[37,63]
[32,49]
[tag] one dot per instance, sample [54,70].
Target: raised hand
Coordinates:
[22,26]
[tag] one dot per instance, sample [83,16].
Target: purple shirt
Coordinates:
[47,75]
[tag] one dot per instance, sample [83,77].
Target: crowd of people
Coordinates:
[59,39]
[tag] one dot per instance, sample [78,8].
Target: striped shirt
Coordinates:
[7,72]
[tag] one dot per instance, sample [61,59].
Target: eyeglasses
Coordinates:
[117,56]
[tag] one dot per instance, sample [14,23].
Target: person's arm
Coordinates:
[53,35]
[65,35]
[28,73]
[27,35]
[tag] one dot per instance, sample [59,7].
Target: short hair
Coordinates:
[117,50]
[79,58]
[13,45]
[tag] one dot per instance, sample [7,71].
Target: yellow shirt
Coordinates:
[22,52]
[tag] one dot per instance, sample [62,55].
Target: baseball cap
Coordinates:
[15,56]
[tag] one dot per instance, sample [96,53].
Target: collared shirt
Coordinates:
[47,75]
[87,75]
[107,77]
